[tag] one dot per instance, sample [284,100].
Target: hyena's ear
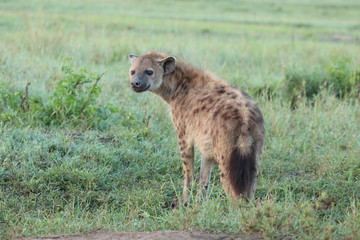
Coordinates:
[132,57]
[168,64]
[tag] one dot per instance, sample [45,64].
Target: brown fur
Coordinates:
[224,123]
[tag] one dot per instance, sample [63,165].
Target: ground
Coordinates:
[164,235]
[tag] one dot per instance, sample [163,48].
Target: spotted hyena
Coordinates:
[224,123]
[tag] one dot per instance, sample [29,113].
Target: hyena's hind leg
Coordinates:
[253,178]
[257,148]
[187,156]
[205,174]
[225,182]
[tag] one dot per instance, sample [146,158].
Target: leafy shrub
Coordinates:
[338,76]
[75,97]
[74,101]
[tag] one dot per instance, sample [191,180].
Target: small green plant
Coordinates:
[74,101]
[75,97]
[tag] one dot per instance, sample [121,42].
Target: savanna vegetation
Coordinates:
[80,152]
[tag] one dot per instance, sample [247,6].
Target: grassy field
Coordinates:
[108,160]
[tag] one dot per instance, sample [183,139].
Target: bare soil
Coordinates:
[176,235]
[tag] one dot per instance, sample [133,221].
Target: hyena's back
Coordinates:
[227,127]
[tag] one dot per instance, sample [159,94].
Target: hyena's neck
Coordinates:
[178,82]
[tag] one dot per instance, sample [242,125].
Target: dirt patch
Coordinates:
[176,235]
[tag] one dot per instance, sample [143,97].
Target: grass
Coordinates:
[299,60]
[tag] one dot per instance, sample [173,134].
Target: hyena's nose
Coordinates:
[136,82]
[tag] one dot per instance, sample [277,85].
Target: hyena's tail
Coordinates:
[242,171]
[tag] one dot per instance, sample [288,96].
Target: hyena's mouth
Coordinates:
[141,89]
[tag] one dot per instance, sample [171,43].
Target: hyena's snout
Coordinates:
[139,85]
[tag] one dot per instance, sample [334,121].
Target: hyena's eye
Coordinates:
[132,72]
[149,72]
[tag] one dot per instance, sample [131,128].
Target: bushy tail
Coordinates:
[242,170]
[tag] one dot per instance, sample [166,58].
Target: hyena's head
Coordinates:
[147,71]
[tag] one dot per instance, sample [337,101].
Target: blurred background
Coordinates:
[260,45]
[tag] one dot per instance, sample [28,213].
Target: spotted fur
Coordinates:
[224,123]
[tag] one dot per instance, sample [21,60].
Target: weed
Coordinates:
[74,101]
[75,98]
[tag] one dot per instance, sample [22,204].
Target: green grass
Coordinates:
[299,60]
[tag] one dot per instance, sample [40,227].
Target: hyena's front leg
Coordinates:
[187,155]
[205,173]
